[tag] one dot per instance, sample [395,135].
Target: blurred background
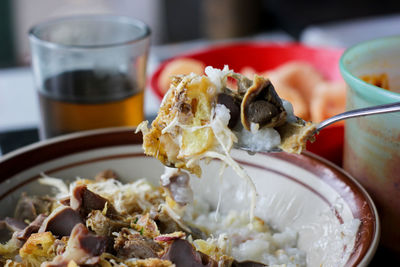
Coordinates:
[179,26]
[175,21]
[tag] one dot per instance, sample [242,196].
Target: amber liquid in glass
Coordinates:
[84,99]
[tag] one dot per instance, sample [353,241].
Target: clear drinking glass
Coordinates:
[90,72]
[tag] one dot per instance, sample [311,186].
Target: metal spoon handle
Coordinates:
[393,107]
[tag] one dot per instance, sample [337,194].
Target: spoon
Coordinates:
[387,108]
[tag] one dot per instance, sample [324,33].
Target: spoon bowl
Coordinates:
[386,108]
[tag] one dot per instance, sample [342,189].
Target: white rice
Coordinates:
[290,117]
[254,242]
[263,139]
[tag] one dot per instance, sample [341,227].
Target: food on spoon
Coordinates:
[201,117]
[297,82]
[104,222]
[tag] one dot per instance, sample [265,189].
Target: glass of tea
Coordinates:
[90,72]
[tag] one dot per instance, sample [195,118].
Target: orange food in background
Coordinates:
[329,99]
[380,80]
[313,97]
[179,66]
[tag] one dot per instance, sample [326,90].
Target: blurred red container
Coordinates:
[263,56]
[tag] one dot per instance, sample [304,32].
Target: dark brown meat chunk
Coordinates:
[84,201]
[33,227]
[183,254]
[61,221]
[261,112]
[262,105]
[133,245]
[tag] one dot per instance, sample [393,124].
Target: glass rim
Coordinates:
[33,31]
[347,74]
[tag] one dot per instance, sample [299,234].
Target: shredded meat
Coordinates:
[60,245]
[167,225]
[102,225]
[130,244]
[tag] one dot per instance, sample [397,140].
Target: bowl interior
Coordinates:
[302,192]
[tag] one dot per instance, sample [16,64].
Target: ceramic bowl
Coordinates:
[303,192]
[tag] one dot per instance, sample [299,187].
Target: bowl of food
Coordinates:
[308,77]
[60,206]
